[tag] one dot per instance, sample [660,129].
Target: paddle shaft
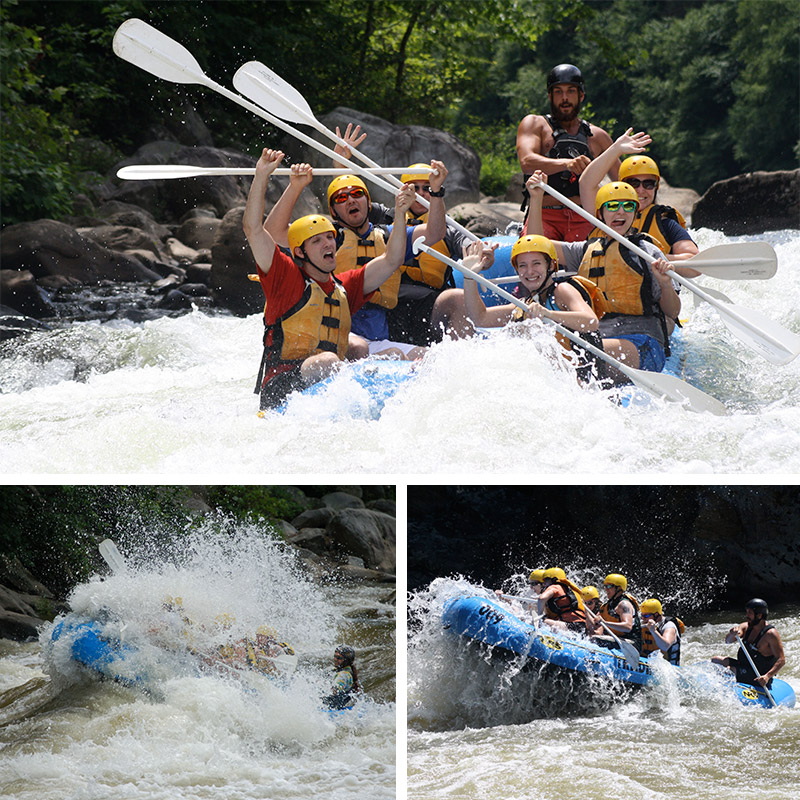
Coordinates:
[146,172]
[752,664]
[724,308]
[627,648]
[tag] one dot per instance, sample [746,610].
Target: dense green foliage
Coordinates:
[702,76]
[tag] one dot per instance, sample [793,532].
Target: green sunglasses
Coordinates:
[626,205]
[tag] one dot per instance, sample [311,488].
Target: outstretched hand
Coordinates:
[632,142]
[351,136]
[479,256]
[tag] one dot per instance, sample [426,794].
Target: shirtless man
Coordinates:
[561,145]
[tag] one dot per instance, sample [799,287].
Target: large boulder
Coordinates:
[50,248]
[21,293]
[369,535]
[398,146]
[231,263]
[751,203]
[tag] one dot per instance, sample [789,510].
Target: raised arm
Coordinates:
[435,227]
[261,243]
[277,222]
[535,224]
[593,175]
[379,269]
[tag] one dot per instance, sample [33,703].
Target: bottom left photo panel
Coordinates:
[212,641]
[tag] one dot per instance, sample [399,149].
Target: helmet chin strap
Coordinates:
[306,260]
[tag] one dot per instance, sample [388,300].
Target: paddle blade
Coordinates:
[112,556]
[156,53]
[769,339]
[630,652]
[261,85]
[676,390]
[741,261]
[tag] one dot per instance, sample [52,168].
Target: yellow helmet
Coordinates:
[306,227]
[534,243]
[555,574]
[638,165]
[615,579]
[343,182]
[411,175]
[590,593]
[224,621]
[265,630]
[536,576]
[651,606]
[618,190]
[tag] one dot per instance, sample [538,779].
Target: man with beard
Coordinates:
[561,145]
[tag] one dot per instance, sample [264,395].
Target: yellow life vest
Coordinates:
[426,268]
[622,277]
[353,251]
[317,323]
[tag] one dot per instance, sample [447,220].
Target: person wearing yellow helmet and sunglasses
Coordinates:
[307,311]
[620,612]
[567,300]
[664,224]
[428,304]
[639,297]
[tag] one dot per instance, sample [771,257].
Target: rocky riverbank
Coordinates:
[154,248]
[347,534]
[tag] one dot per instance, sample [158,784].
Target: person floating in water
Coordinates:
[345,682]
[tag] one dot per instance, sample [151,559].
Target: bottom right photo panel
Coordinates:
[603,641]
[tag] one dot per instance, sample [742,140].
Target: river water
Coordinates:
[64,734]
[483,729]
[175,396]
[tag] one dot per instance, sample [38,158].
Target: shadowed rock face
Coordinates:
[751,203]
[729,543]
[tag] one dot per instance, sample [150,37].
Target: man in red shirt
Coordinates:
[307,311]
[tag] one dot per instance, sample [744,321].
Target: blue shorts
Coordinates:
[651,353]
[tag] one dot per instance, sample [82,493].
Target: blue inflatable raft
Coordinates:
[492,623]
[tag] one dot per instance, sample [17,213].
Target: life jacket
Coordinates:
[425,268]
[258,659]
[316,323]
[609,614]
[566,605]
[354,251]
[649,221]
[744,672]
[673,653]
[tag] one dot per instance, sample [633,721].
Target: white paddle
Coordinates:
[112,556]
[747,655]
[149,172]
[667,386]
[146,47]
[746,261]
[769,339]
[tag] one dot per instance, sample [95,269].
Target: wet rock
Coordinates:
[313,518]
[179,251]
[752,203]
[46,247]
[13,324]
[231,262]
[198,273]
[340,500]
[486,219]
[367,534]
[20,292]
[199,232]
[126,238]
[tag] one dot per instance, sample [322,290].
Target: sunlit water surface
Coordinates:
[479,727]
[176,395]
[64,734]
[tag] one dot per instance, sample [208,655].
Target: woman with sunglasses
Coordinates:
[639,297]
[664,224]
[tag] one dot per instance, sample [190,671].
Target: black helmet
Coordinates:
[759,606]
[565,73]
[347,653]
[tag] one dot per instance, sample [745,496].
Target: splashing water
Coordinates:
[199,732]
[175,395]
